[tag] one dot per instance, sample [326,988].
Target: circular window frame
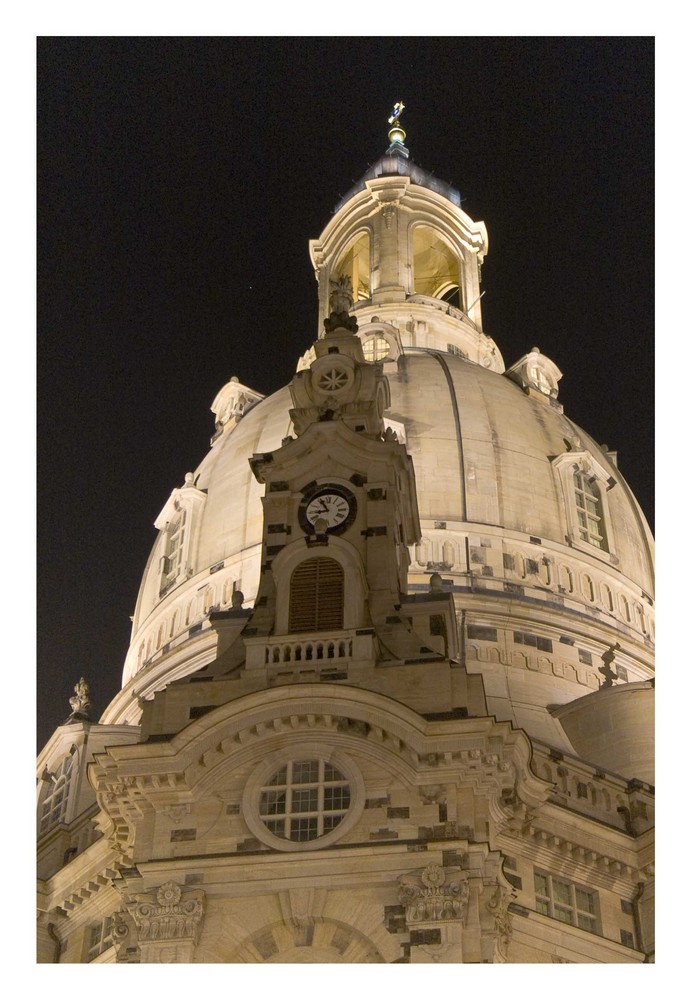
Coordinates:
[304,751]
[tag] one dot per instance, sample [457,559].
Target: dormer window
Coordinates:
[380,341]
[375,349]
[536,374]
[584,485]
[178,523]
[172,561]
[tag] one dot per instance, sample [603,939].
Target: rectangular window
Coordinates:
[171,564]
[589,511]
[585,657]
[482,632]
[562,900]
[452,349]
[538,641]
[100,938]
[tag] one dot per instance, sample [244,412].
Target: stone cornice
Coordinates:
[81,879]
[605,857]
[491,758]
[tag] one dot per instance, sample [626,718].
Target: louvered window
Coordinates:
[316,596]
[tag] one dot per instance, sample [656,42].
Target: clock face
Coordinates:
[330,504]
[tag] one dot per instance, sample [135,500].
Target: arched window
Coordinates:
[435,267]
[355,263]
[316,596]
[591,525]
[54,805]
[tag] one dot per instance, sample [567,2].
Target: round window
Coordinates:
[376,348]
[304,800]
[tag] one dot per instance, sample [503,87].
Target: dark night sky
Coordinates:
[179,181]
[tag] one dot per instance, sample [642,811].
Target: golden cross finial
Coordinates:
[396,113]
[396,133]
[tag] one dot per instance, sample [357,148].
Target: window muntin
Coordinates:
[100,938]
[376,348]
[538,641]
[304,800]
[591,525]
[562,900]
[540,379]
[54,805]
[172,561]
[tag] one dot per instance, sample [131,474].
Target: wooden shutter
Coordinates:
[316,596]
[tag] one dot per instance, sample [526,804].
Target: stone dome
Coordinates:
[491,502]
[525,518]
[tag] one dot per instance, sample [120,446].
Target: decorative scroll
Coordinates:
[498,906]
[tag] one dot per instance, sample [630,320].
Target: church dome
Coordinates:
[527,520]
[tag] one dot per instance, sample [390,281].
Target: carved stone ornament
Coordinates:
[80,702]
[433,794]
[498,906]
[124,933]
[168,913]
[341,295]
[389,212]
[177,813]
[434,894]
[340,301]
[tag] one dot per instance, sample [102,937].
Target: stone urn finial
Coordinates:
[341,296]
[80,702]
[340,302]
